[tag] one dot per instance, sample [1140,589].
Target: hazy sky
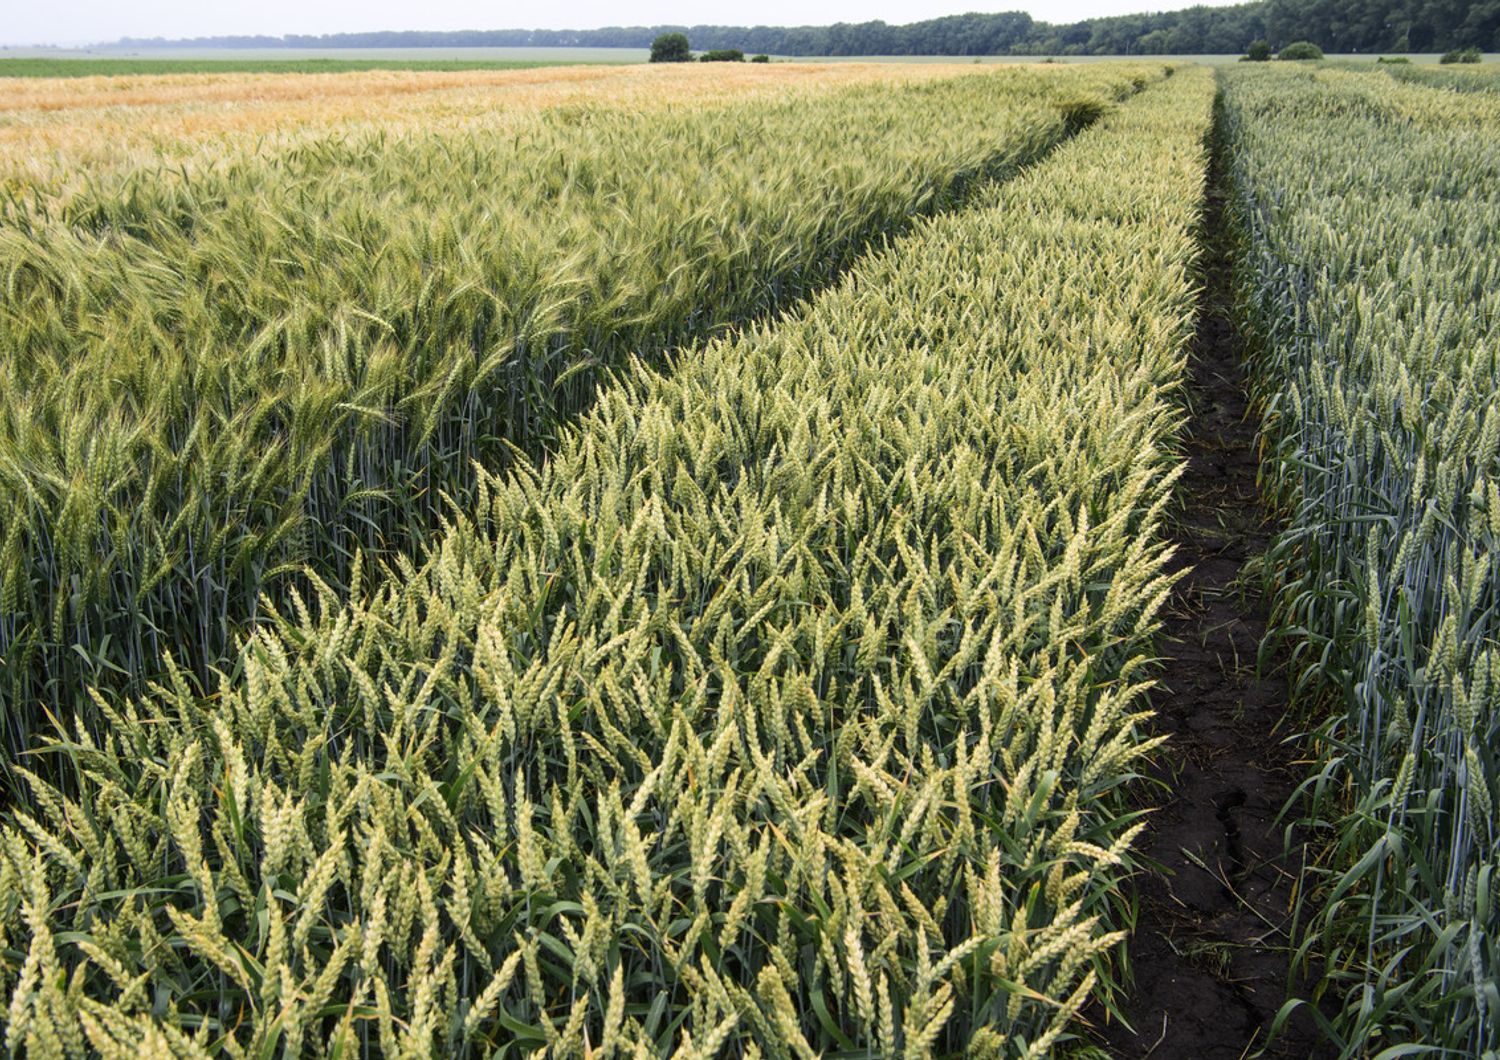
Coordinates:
[84,21]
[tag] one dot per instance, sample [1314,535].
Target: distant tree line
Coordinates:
[1334,25]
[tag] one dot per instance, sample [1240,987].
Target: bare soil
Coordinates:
[1210,952]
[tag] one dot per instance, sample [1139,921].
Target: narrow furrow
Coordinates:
[1210,949]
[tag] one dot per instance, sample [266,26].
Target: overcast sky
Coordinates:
[85,21]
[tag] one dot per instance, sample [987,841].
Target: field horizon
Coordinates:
[104,61]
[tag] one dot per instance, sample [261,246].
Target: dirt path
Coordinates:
[1210,948]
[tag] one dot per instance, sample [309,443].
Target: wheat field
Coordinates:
[681,562]
[1372,286]
[49,127]
[784,707]
[220,378]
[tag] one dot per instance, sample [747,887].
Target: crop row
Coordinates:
[784,711]
[1371,284]
[1484,78]
[214,378]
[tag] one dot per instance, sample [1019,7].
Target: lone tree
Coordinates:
[1302,49]
[671,48]
[1258,52]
